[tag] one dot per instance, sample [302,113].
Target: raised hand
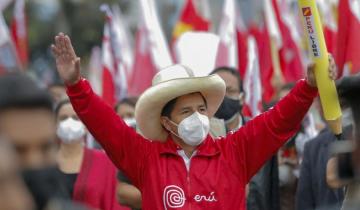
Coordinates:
[67,63]
[311,74]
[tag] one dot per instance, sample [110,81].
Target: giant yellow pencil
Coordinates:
[327,89]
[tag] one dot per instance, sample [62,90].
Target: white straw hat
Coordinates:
[170,83]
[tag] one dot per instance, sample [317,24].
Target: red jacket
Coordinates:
[95,185]
[220,169]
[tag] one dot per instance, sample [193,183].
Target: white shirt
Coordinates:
[186,158]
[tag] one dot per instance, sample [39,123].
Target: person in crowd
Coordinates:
[174,162]
[230,108]
[289,158]
[126,110]
[13,193]
[263,188]
[28,122]
[127,194]
[313,191]
[57,91]
[348,88]
[89,176]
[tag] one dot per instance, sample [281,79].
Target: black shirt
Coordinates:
[69,181]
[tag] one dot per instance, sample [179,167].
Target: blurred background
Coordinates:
[84,22]
[145,36]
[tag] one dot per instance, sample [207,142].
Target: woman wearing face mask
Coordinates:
[88,174]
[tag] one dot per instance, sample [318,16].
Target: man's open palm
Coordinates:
[67,63]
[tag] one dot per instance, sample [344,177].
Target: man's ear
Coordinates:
[165,122]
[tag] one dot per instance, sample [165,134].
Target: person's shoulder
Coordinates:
[323,138]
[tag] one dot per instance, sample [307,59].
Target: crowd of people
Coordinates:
[183,144]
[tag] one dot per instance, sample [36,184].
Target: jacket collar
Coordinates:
[207,149]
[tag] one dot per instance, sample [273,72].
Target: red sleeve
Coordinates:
[127,149]
[261,137]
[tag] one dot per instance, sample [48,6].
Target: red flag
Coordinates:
[19,32]
[114,77]
[330,38]
[108,66]
[329,22]
[289,54]
[348,51]
[190,20]
[242,37]
[144,68]
[151,50]
[265,61]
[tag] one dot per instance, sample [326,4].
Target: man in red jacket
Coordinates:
[174,162]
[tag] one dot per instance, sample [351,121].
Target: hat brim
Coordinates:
[152,101]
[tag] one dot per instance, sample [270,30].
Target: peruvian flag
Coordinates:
[326,9]
[108,69]
[233,45]
[151,50]
[252,82]
[290,58]
[348,50]
[8,57]
[228,48]
[190,20]
[124,50]
[144,68]
[114,76]
[19,32]
[242,37]
[262,37]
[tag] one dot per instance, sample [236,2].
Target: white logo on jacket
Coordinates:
[210,198]
[174,197]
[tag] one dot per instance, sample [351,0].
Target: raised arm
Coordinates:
[125,147]
[261,137]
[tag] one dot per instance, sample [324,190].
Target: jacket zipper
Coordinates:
[188,183]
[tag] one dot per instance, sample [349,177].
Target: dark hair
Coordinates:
[169,107]
[129,101]
[232,71]
[61,104]
[17,90]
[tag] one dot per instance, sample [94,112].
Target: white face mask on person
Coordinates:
[193,129]
[70,130]
[131,122]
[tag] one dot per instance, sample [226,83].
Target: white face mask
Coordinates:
[193,129]
[131,122]
[70,130]
[286,175]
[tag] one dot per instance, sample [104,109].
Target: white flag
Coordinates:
[158,46]
[227,50]
[252,80]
